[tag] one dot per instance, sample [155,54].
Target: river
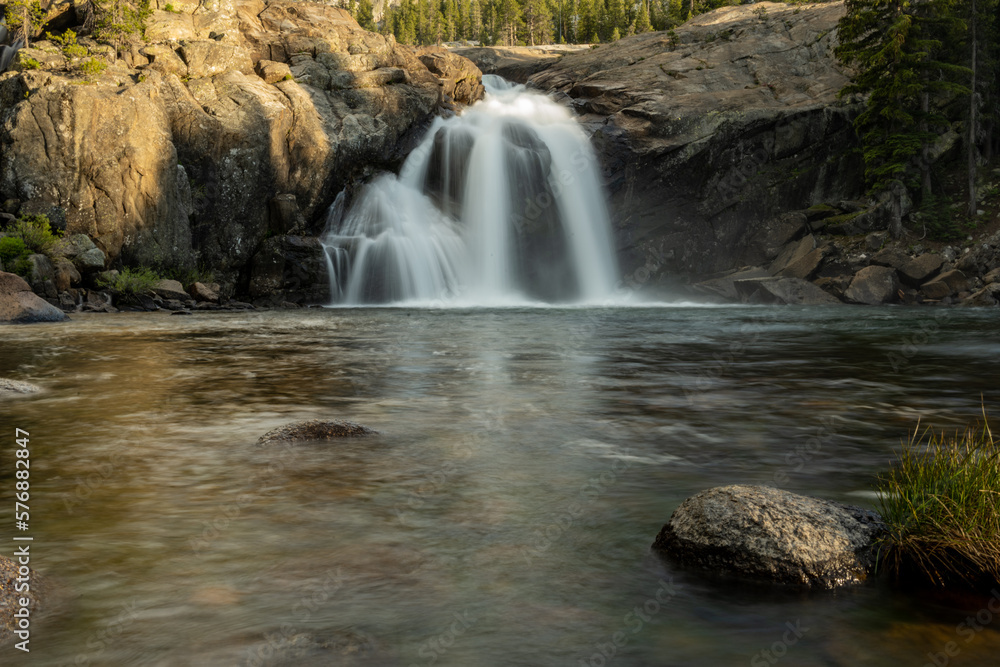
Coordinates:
[526,461]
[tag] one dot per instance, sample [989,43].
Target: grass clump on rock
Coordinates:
[941,503]
[129,284]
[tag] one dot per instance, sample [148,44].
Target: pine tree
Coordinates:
[365,15]
[475,20]
[537,22]
[894,48]
[642,23]
[508,21]
[24,18]
[119,22]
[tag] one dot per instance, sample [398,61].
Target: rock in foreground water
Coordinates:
[317,429]
[766,534]
[10,598]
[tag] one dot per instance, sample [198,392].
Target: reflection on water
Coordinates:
[504,516]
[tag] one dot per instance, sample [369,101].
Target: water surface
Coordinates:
[503,517]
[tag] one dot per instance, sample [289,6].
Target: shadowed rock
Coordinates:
[766,534]
[18,304]
[316,429]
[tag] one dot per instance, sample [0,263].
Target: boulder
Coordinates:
[891,257]
[725,286]
[203,292]
[873,285]
[209,57]
[272,72]
[170,289]
[163,59]
[988,296]
[946,284]
[460,79]
[919,269]
[18,304]
[992,276]
[765,534]
[783,291]
[43,276]
[66,275]
[314,430]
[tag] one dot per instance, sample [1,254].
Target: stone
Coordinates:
[19,305]
[90,261]
[209,57]
[17,388]
[66,275]
[725,287]
[272,72]
[875,241]
[314,430]
[43,276]
[170,289]
[987,296]
[460,79]
[804,267]
[891,257]
[792,252]
[834,285]
[992,276]
[202,292]
[73,245]
[873,285]
[920,268]
[946,284]
[765,534]
[782,291]
[285,217]
[163,59]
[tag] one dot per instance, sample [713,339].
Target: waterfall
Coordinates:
[502,204]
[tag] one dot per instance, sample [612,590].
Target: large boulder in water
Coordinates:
[10,598]
[18,304]
[766,534]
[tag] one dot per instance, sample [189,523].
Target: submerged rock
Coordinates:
[9,387]
[19,305]
[316,429]
[767,534]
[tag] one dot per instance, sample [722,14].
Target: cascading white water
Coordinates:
[502,204]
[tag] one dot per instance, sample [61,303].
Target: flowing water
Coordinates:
[500,205]
[526,461]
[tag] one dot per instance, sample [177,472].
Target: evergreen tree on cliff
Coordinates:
[24,18]
[895,48]
[642,23]
[537,23]
[119,22]
[365,15]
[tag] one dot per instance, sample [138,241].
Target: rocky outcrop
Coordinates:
[766,534]
[20,305]
[708,134]
[314,430]
[171,156]
[517,63]
[460,80]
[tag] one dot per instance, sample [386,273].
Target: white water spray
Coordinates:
[501,205]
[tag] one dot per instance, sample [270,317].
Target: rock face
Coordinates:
[705,138]
[517,63]
[316,429]
[766,534]
[19,305]
[873,285]
[170,157]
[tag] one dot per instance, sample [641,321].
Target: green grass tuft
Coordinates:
[130,283]
[941,502]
